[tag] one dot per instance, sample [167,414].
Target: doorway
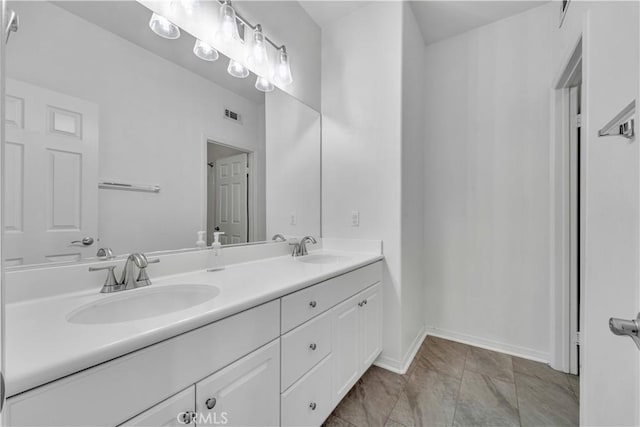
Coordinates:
[569,188]
[228,202]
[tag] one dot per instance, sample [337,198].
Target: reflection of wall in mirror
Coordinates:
[155,117]
[293,166]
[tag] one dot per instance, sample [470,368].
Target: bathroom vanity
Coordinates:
[277,341]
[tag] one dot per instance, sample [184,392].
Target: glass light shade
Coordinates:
[257,56]
[282,72]
[227,24]
[189,5]
[204,51]
[163,27]
[264,85]
[236,69]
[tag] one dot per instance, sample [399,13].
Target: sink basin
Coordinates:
[143,303]
[322,259]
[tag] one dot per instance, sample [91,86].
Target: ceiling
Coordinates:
[437,19]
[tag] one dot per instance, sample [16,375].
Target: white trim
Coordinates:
[559,211]
[401,367]
[513,350]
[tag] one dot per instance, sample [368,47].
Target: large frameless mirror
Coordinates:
[120,141]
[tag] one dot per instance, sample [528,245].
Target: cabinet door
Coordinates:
[345,346]
[245,393]
[370,325]
[170,412]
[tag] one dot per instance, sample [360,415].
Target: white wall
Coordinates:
[361,141]
[486,163]
[413,102]
[293,166]
[154,118]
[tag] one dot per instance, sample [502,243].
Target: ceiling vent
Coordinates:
[232,115]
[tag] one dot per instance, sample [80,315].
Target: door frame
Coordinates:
[252,183]
[561,220]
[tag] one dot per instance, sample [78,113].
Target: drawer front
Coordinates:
[305,304]
[304,347]
[168,413]
[308,402]
[123,387]
[246,393]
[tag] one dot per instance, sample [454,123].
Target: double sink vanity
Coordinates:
[270,340]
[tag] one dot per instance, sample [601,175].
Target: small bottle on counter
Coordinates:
[200,243]
[217,253]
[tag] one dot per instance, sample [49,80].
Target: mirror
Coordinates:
[117,138]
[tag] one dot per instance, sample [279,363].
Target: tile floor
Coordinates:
[453,384]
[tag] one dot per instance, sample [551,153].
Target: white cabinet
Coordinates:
[356,330]
[175,411]
[246,393]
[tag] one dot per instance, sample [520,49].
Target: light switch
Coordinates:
[293,218]
[355,218]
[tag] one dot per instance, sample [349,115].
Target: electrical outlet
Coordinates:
[355,218]
[293,218]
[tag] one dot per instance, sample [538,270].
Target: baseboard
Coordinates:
[513,350]
[401,367]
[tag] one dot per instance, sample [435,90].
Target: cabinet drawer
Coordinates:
[121,388]
[245,393]
[304,347]
[301,306]
[167,413]
[308,402]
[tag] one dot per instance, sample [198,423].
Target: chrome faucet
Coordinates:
[279,238]
[300,249]
[128,280]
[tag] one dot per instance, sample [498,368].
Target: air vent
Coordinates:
[232,115]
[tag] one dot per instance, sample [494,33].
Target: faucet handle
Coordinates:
[110,283]
[143,277]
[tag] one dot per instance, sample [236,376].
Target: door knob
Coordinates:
[87,241]
[626,327]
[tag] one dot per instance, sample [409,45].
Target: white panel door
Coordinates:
[610,364]
[370,325]
[345,347]
[245,393]
[171,412]
[231,198]
[50,175]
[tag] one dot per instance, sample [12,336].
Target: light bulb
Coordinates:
[163,27]
[227,24]
[204,51]
[189,5]
[263,84]
[282,73]
[257,55]
[236,69]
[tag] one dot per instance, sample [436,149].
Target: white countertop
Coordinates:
[42,346]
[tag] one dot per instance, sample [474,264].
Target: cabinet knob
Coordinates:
[211,402]
[312,405]
[360,304]
[312,346]
[313,304]
[187,417]
[365,301]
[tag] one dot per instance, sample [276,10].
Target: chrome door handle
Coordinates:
[87,241]
[626,327]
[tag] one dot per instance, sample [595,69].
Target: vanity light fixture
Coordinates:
[264,85]
[236,69]
[163,27]
[282,75]
[227,24]
[204,51]
[257,57]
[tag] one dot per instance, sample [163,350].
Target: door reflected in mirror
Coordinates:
[117,138]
